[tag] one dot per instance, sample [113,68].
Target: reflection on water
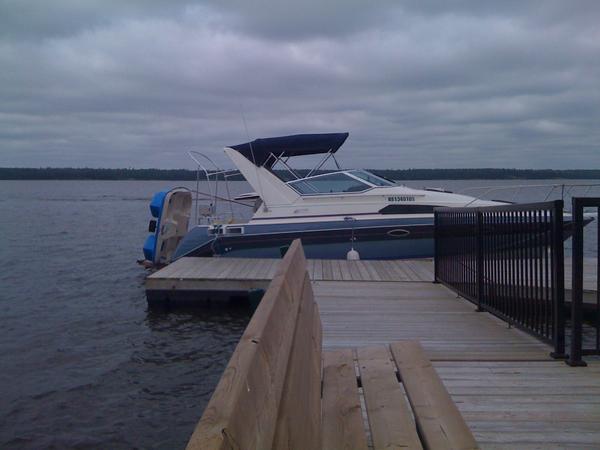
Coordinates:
[84,363]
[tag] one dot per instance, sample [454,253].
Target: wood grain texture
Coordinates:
[342,417]
[356,314]
[390,419]
[255,376]
[527,404]
[299,415]
[235,274]
[439,421]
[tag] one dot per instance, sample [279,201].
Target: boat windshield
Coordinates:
[370,178]
[328,184]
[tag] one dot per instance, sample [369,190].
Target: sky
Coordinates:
[417,84]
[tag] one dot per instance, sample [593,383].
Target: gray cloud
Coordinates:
[417,84]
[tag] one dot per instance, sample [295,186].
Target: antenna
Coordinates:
[265,207]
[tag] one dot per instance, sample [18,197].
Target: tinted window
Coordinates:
[327,184]
[373,179]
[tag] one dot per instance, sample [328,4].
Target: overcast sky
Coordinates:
[422,84]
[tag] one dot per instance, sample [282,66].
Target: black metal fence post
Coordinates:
[598,284]
[558,269]
[479,270]
[436,252]
[577,285]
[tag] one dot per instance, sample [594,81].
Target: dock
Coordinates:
[511,393]
[189,281]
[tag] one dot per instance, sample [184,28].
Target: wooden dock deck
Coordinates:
[503,381]
[247,273]
[508,389]
[510,392]
[189,279]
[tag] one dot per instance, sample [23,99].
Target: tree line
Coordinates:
[70,173]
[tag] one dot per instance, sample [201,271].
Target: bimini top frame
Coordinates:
[268,151]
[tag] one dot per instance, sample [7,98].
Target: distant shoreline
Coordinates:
[15,173]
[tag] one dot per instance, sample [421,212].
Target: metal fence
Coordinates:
[508,260]
[577,304]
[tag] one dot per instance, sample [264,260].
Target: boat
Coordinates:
[338,214]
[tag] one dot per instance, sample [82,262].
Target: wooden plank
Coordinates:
[384,273]
[342,418]
[255,375]
[336,271]
[265,270]
[327,271]
[310,267]
[363,274]
[168,270]
[273,268]
[185,270]
[253,270]
[241,271]
[318,275]
[439,421]
[204,269]
[354,270]
[428,267]
[397,269]
[299,415]
[421,269]
[244,270]
[408,268]
[390,421]
[227,270]
[369,267]
[344,270]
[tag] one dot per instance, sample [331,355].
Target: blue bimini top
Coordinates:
[259,151]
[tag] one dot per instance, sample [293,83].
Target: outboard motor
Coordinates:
[169,224]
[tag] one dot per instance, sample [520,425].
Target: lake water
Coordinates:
[84,363]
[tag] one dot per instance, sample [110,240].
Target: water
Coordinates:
[84,363]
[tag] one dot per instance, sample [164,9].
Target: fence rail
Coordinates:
[577,343]
[508,260]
